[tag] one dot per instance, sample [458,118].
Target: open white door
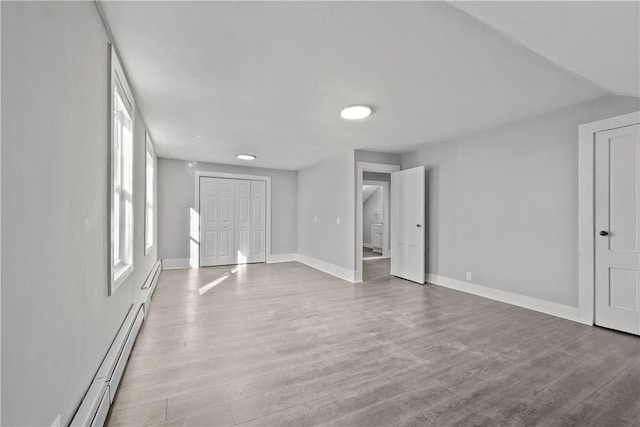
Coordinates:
[617,228]
[407,224]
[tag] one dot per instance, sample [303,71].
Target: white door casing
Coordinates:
[208,221]
[408,224]
[258,220]
[617,229]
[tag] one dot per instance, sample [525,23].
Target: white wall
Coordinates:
[176,198]
[377,157]
[504,204]
[371,207]
[327,191]
[377,176]
[57,318]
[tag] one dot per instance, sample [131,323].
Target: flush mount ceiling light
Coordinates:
[245,156]
[355,112]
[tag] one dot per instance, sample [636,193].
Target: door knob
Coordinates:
[604,233]
[418,225]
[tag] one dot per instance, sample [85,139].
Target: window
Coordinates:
[121,251]
[149,224]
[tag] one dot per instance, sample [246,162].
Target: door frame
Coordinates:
[195,262]
[586,209]
[386,250]
[362,167]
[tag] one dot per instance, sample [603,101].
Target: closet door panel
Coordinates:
[258,222]
[242,220]
[226,226]
[208,221]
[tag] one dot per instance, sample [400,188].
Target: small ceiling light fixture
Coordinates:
[355,112]
[245,156]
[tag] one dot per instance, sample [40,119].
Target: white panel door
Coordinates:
[407,224]
[208,221]
[243,220]
[617,228]
[258,221]
[226,219]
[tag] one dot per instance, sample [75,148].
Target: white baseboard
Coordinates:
[547,307]
[334,270]
[174,264]
[179,263]
[274,258]
[375,257]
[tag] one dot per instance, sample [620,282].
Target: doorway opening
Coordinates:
[375,212]
[373,233]
[375,226]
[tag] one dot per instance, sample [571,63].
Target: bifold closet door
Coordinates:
[232,221]
[258,222]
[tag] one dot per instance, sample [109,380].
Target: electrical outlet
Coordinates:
[315,218]
[338,220]
[469,276]
[56,422]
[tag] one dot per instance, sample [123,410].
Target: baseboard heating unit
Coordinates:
[95,405]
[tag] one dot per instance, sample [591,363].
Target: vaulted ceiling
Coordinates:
[214,79]
[598,40]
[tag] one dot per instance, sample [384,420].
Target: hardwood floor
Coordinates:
[375,268]
[284,344]
[368,253]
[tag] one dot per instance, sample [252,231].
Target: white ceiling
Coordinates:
[598,40]
[214,79]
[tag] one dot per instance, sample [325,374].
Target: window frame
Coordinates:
[121,228]
[149,229]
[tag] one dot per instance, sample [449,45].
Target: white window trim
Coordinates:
[119,273]
[149,150]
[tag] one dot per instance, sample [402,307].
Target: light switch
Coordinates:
[338,220]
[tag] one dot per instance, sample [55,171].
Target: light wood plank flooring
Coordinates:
[284,344]
[375,268]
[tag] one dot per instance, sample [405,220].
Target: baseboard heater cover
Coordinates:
[95,405]
[149,286]
[152,278]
